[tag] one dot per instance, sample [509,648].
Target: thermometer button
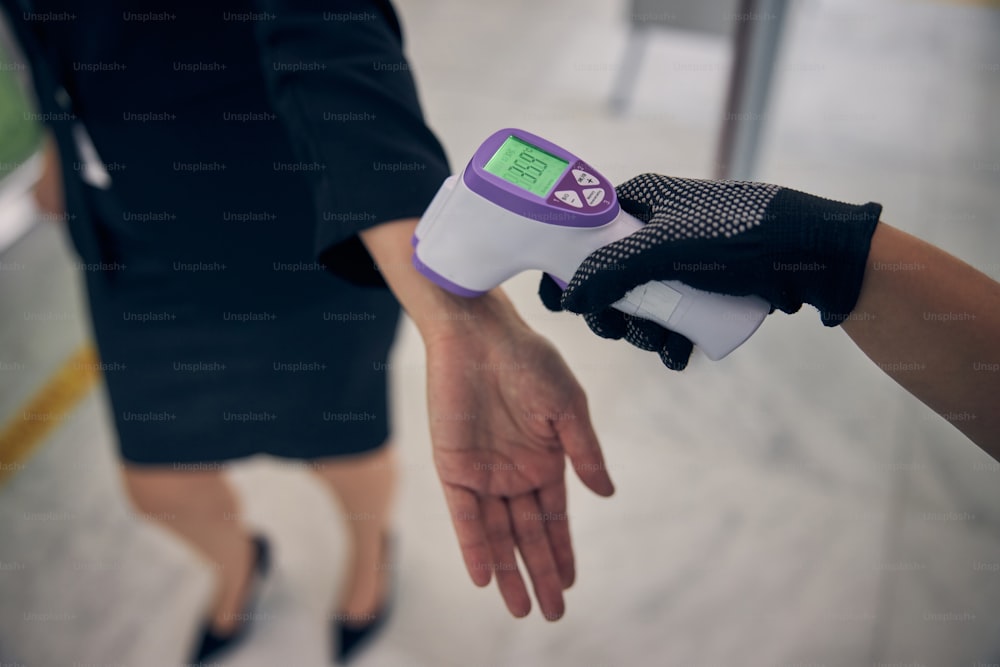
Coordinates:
[594,196]
[583,178]
[569,197]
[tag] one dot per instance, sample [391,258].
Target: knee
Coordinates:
[156,492]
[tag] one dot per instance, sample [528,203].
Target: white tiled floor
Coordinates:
[786,506]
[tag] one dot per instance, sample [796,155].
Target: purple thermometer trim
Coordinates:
[558,281]
[526,204]
[440,280]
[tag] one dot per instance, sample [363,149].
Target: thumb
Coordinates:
[550,293]
[584,451]
[606,275]
[648,254]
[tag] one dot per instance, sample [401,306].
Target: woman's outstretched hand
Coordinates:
[505,412]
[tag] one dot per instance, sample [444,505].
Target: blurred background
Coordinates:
[787,506]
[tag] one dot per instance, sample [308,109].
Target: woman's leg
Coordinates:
[200,508]
[365,486]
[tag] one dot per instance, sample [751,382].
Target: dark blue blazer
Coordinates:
[201,112]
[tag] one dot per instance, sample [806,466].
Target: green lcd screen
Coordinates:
[526,166]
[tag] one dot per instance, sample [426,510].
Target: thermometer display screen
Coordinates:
[526,166]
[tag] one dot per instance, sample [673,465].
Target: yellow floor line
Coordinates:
[47,409]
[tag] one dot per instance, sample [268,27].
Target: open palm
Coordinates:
[504,416]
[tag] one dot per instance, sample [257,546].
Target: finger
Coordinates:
[463,505]
[607,323]
[644,334]
[789,306]
[553,503]
[628,198]
[533,543]
[673,348]
[601,279]
[676,351]
[504,562]
[579,441]
[550,293]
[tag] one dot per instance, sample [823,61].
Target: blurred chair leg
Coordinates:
[755,50]
[628,70]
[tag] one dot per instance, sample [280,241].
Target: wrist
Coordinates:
[488,317]
[825,243]
[439,315]
[847,250]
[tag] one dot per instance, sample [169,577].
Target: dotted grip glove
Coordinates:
[730,237]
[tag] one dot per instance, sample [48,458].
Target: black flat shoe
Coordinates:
[351,634]
[213,643]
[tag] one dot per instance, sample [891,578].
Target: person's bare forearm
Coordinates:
[436,312]
[932,323]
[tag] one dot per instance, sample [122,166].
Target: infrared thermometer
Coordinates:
[524,203]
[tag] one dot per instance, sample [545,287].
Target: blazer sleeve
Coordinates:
[339,81]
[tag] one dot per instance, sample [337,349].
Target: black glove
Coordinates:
[730,237]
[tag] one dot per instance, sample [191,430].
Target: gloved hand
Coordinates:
[730,237]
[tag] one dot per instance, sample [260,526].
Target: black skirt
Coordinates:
[219,346]
[241,153]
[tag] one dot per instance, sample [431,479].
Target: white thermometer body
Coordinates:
[524,203]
